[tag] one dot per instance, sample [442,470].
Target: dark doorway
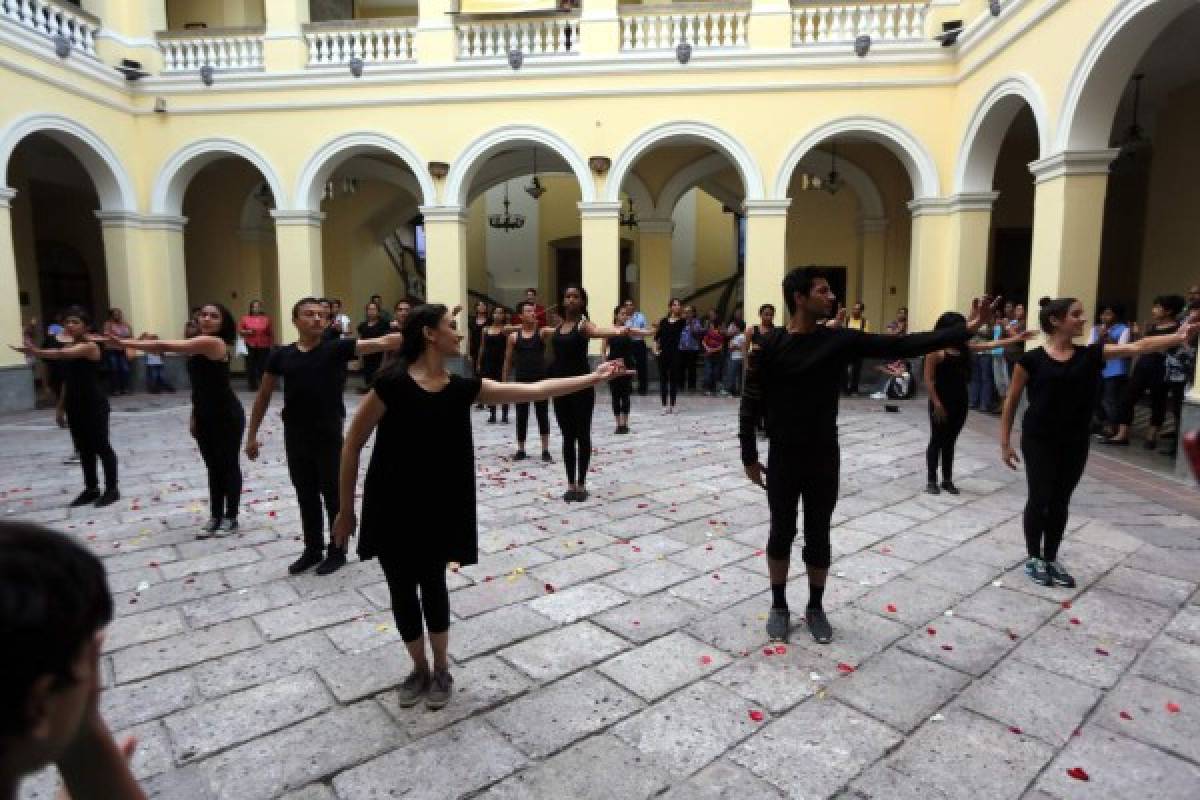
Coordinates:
[568,265]
[1012,250]
[64,279]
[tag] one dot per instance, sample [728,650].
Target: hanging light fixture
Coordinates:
[535,188]
[832,182]
[506,221]
[629,218]
[1134,139]
[265,196]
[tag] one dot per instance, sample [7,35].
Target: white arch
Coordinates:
[113,186]
[344,147]
[689,177]
[694,132]
[508,165]
[468,163]
[366,168]
[870,200]
[976,166]
[922,170]
[1103,72]
[177,173]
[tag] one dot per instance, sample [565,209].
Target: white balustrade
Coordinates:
[701,28]
[52,19]
[883,22]
[540,36]
[227,50]
[375,42]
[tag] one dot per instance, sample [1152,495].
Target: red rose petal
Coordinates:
[549,588]
[1078,774]
[1015,729]
[487,578]
[891,607]
[768,651]
[706,660]
[947,647]
[1100,651]
[1074,621]
[931,631]
[1125,715]
[1011,634]
[1065,604]
[154,563]
[636,549]
[780,649]
[643,505]
[758,552]
[756,715]
[844,667]
[1173,708]
[636,622]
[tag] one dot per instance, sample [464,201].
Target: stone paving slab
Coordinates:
[574,774]
[1118,767]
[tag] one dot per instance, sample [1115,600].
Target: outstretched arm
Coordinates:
[1008,341]
[211,346]
[494,393]
[370,411]
[1152,344]
[389,341]
[594,331]
[80,350]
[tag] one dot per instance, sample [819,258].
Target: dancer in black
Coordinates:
[796,376]
[425,475]
[621,348]
[573,411]
[490,363]
[526,354]
[313,370]
[1063,381]
[666,346]
[218,419]
[947,373]
[83,406]
[373,327]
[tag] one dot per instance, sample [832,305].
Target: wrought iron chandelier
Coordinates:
[506,221]
[1134,139]
[833,182]
[535,188]
[629,217]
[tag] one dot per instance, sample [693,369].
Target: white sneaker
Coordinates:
[879,396]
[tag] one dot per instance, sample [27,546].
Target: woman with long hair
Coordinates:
[82,406]
[1063,380]
[218,419]
[489,363]
[425,475]
[667,335]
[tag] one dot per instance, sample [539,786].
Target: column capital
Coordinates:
[147,222]
[6,196]
[1072,162]
[599,210]
[297,216]
[767,208]
[929,206]
[661,225]
[872,224]
[972,201]
[443,214]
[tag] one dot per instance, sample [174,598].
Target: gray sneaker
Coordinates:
[410,691]
[779,622]
[439,690]
[1057,575]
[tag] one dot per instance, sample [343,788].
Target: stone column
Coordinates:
[766,256]
[16,379]
[654,278]
[929,262]
[600,28]
[298,245]
[436,41]
[873,234]
[600,229]
[446,258]
[970,239]
[284,48]
[770,25]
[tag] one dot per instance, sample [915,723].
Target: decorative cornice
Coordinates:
[1072,162]
[767,208]
[298,217]
[972,201]
[930,206]
[443,214]
[599,210]
[145,222]
[6,196]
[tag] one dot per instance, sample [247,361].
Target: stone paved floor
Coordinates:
[644,672]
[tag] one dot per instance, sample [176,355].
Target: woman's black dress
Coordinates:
[372,361]
[494,345]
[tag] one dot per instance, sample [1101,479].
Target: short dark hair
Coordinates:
[1173,304]
[1054,310]
[1117,309]
[764,307]
[1042,301]
[521,305]
[80,313]
[53,599]
[305,301]
[800,280]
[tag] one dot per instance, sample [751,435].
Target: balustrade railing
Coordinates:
[374,41]
[705,26]
[219,48]
[883,22]
[533,36]
[52,20]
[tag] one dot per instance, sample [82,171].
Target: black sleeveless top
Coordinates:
[529,357]
[82,381]
[212,396]
[950,378]
[570,352]
[493,353]
[621,347]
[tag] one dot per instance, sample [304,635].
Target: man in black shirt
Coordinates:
[795,378]
[314,373]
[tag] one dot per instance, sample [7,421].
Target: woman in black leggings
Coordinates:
[490,365]
[670,358]
[218,419]
[947,373]
[83,407]
[573,412]
[621,348]
[1063,380]
[425,475]
[526,355]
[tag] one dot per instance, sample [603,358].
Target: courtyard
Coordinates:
[615,649]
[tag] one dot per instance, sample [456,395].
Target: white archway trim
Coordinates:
[688,178]
[113,185]
[698,132]
[366,168]
[1086,126]
[177,173]
[468,163]
[340,149]
[922,170]
[507,166]
[980,147]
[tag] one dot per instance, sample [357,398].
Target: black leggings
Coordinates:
[942,437]
[219,438]
[313,460]
[811,474]
[688,367]
[89,434]
[1053,469]
[573,412]
[621,390]
[541,410]
[404,575]
[670,373]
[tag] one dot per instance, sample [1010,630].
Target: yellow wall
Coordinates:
[214,13]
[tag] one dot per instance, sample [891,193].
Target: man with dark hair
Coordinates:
[383,312]
[54,606]
[539,310]
[795,377]
[313,370]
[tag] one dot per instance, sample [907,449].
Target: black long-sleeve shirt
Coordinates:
[795,379]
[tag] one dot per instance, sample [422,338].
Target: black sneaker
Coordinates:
[569,496]
[109,497]
[779,623]
[581,495]
[85,497]
[440,687]
[229,525]
[409,692]
[492,419]
[520,456]
[932,488]
[1058,576]
[212,526]
[335,560]
[949,488]
[818,625]
[546,457]
[307,559]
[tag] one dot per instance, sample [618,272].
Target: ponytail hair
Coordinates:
[1054,311]
[426,315]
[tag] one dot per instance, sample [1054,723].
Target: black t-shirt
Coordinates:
[668,333]
[313,382]
[1062,394]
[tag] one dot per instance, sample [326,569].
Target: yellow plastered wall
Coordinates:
[214,13]
[354,261]
[716,247]
[558,218]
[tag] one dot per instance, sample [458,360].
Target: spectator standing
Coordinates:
[255,330]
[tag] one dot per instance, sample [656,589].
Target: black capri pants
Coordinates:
[621,390]
[405,575]
[807,474]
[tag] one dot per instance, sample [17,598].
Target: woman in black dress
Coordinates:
[83,406]
[1063,380]
[525,354]
[490,361]
[670,361]
[373,327]
[218,419]
[475,325]
[621,348]
[424,475]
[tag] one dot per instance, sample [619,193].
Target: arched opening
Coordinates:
[1010,242]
